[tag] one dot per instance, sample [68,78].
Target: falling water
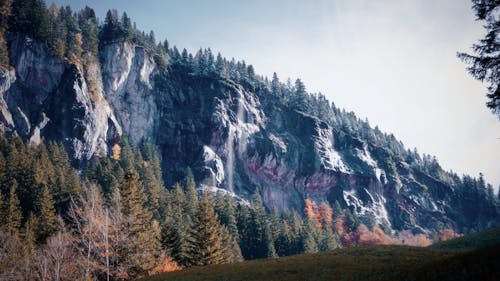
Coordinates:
[233,130]
[230,159]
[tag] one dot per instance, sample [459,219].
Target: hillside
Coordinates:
[368,263]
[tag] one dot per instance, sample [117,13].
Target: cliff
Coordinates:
[234,134]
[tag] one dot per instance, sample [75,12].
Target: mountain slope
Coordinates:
[235,130]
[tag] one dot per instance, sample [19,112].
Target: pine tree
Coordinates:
[89,25]
[57,31]
[46,211]
[310,236]
[191,194]
[484,64]
[224,206]
[5,10]
[127,28]
[299,99]
[111,30]
[14,215]
[143,233]
[176,235]
[329,240]
[283,240]
[30,17]
[209,236]
[29,233]
[337,210]
[261,243]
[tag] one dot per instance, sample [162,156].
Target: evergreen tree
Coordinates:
[260,240]
[143,233]
[46,212]
[484,64]
[29,234]
[30,17]
[191,194]
[299,99]
[111,31]
[58,31]
[89,26]
[310,236]
[209,236]
[14,215]
[329,240]
[5,10]
[126,26]
[74,39]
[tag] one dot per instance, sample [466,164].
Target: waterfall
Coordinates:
[230,158]
[233,130]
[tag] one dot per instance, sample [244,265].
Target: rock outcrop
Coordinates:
[234,136]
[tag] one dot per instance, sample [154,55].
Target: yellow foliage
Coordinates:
[116,152]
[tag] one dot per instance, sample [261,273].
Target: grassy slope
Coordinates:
[366,263]
[471,241]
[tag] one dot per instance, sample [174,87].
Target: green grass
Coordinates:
[365,263]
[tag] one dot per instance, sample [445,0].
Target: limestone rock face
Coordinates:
[233,135]
[46,96]
[127,72]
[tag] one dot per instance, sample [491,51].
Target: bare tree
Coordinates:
[98,233]
[57,259]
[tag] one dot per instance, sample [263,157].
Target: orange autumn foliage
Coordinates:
[339,225]
[326,212]
[167,265]
[408,238]
[447,234]
[311,211]
[319,215]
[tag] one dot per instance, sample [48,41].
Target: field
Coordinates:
[459,259]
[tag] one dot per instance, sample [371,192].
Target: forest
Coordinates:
[114,219]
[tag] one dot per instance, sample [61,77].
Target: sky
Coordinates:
[393,62]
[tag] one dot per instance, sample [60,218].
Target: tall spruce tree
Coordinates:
[5,10]
[89,26]
[484,64]
[30,17]
[261,244]
[210,238]
[14,215]
[47,215]
[191,194]
[143,233]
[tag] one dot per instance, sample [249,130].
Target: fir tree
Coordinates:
[46,211]
[329,240]
[5,10]
[143,232]
[209,236]
[484,64]
[191,194]
[30,17]
[14,215]
[310,236]
[89,26]
[29,233]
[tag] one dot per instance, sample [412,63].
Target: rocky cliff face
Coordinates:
[234,136]
[46,96]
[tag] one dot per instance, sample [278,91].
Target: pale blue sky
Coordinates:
[391,61]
